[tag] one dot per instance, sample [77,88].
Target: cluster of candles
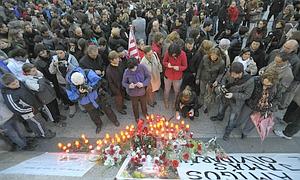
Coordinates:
[157,126]
[161,128]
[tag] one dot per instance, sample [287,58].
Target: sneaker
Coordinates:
[243,136]
[226,137]
[49,134]
[122,112]
[116,123]
[29,148]
[216,118]
[60,124]
[72,111]
[205,111]
[98,129]
[62,118]
[281,134]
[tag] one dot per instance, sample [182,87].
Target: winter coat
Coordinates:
[114,43]
[92,84]
[141,74]
[155,68]
[180,61]
[209,71]
[192,102]
[257,33]
[139,25]
[257,95]
[5,113]
[233,13]
[249,65]
[41,87]
[235,45]
[277,6]
[88,63]
[15,66]
[285,76]
[114,76]
[21,101]
[69,64]
[259,57]
[293,59]
[241,89]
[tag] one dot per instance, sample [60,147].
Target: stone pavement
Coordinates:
[202,127]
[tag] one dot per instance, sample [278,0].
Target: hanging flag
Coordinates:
[132,48]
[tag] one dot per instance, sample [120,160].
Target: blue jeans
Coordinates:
[13,131]
[234,111]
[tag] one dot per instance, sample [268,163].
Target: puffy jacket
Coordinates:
[92,83]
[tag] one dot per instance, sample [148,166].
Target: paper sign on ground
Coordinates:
[56,164]
[243,166]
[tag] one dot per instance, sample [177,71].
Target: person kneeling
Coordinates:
[186,104]
[84,87]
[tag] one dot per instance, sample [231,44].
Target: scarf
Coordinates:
[263,101]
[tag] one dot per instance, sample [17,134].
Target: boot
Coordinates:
[217,118]
[72,111]
[226,136]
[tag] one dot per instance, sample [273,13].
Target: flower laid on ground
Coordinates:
[155,148]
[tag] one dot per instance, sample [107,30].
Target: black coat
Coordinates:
[95,64]
[259,57]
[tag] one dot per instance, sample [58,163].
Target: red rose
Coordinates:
[156,161]
[191,135]
[199,148]
[186,156]
[115,159]
[143,159]
[175,146]
[111,146]
[175,163]
[120,152]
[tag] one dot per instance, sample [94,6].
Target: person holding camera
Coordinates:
[61,64]
[85,87]
[236,87]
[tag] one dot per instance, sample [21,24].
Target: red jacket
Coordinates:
[233,13]
[180,61]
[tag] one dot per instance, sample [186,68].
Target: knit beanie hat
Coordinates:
[77,78]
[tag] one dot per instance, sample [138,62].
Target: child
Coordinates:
[187,104]
[22,102]
[44,91]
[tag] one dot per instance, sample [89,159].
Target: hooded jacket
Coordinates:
[92,82]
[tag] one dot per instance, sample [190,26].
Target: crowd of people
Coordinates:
[213,53]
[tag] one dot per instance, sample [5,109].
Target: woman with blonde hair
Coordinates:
[210,71]
[186,104]
[172,37]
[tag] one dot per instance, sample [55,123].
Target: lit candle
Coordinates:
[132,126]
[99,142]
[172,125]
[118,140]
[86,141]
[167,123]
[67,151]
[69,145]
[60,145]
[122,133]
[107,136]
[187,127]
[98,148]
[182,122]
[105,141]
[90,147]
[64,148]
[83,136]
[176,127]
[127,128]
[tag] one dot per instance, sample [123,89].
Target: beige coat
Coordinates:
[155,68]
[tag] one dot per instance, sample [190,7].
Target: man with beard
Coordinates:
[258,53]
[236,87]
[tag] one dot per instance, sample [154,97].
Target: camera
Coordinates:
[223,90]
